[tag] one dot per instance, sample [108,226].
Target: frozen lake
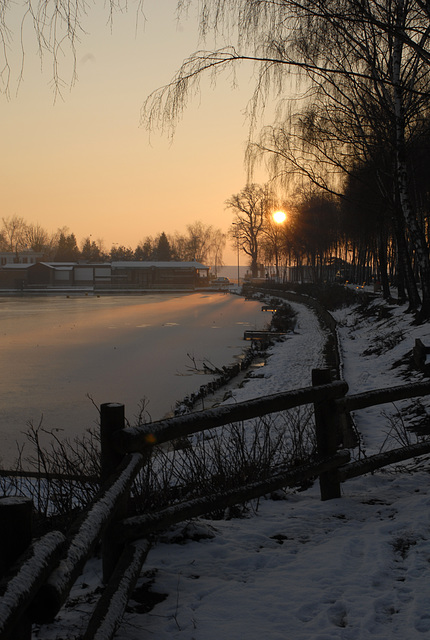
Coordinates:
[56,350]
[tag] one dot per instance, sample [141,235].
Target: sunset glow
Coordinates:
[279,217]
[85,160]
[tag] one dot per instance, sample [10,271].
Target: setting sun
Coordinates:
[279,217]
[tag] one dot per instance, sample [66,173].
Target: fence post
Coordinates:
[327,434]
[111,420]
[16,520]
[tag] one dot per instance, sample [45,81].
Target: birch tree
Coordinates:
[399,90]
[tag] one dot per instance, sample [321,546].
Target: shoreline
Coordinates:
[214,392]
[91,291]
[233,376]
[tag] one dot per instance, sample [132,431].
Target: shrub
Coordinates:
[61,477]
[227,457]
[207,463]
[331,296]
[284,318]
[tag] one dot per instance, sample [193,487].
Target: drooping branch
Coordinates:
[56,25]
[164,107]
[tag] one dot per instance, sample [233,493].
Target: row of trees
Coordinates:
[357,126]
[312,234]
[352,232]
[201,243]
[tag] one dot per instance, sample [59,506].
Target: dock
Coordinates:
[263,335]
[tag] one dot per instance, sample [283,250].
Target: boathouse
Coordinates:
[130,275]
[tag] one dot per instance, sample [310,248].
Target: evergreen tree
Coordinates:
[163,251]
[67,249]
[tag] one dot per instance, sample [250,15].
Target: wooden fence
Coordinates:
[38,574]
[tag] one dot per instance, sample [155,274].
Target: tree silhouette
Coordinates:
[163,250]
[67,249]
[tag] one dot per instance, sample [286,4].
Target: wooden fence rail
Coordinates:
[148,435]
[137,527]
[55,561]
[383,396]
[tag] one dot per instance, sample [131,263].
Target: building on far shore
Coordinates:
[19,257]
[114,276]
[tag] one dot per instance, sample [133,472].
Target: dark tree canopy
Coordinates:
[67,249]
[164,253]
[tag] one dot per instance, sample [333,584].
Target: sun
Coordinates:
[279,217]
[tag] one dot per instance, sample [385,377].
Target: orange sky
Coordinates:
[86,163]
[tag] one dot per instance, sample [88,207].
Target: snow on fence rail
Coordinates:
[38,576]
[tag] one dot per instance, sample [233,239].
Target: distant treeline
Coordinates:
[200,242]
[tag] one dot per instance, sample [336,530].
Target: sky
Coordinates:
[83,160]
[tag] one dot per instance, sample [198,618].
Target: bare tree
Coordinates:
[37,238]
[15,233]
[199,239]
[178,243]
[201,243]
[216,250]
[349,119]
[250,207]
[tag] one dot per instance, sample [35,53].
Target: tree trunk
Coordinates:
[405,267]
[412,225]
[382,262]
[254,267]
[401,291]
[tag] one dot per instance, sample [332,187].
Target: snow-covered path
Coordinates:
[290,363]
[300,568]
[297,568]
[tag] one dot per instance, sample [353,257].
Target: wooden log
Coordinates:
[327,434]
[15,529]
[383,396]
[112,419]
[18,592]
[142,526]
[15,537]
[83,538]
[146,436]
[361,467]
[110,608]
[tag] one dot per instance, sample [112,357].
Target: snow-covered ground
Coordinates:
[298,568]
